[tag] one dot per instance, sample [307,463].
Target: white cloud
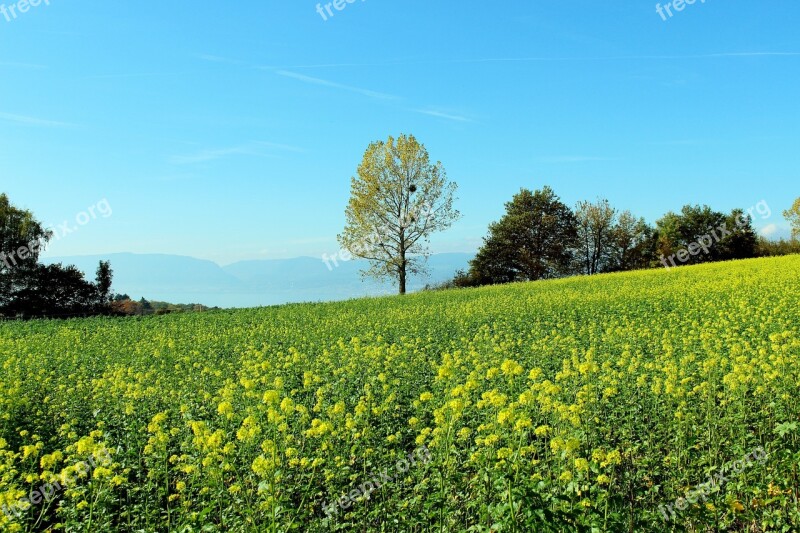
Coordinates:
[441,114]
[335,85]
[255,148]
[769,230]
[33,121]
[574,159]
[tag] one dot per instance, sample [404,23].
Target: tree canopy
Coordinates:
[793,216]
[535,239]
[398,199]
[29,289]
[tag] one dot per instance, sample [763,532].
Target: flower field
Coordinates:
[644,401]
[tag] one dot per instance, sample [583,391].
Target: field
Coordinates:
[602,404]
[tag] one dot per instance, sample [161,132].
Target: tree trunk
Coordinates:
[402,276]
[402,262]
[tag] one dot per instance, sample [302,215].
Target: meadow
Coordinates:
[643,401]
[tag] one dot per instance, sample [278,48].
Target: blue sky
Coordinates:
[230,131]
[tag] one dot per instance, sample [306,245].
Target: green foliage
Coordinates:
[770,248]
[534,240]
[397,201]
[725,237]
[22,237]
[103,282]
[633,244]
[793,216]
[29,289]
[122,305]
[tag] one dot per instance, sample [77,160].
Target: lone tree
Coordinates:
[397,201]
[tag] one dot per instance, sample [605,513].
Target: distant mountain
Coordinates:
[181,279]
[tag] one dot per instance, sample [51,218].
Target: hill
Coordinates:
[642,401]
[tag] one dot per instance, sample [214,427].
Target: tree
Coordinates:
[701,235]
[22,237]
[533,240]
[595,224]
[29,289]
[397,201]
[793,216]
[633,244]
[769,248]
[50,291]
[695,224]
[103,281]
[742,243]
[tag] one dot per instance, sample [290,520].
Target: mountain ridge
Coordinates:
[248,283]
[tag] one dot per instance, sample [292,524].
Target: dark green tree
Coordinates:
[51,291]
[103,281]
[633,244]
[742,243]
[701,235]
[534,240]
[29,289]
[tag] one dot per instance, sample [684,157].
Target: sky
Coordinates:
[230,131]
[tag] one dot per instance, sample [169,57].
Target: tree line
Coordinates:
[540,237]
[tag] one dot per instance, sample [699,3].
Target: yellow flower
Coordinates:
[464,433]
[557,444]
[504,453]
[287,405]
[262,466]
[504,416]
[612,458]
[511,368]
[225,409]
[271,397]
